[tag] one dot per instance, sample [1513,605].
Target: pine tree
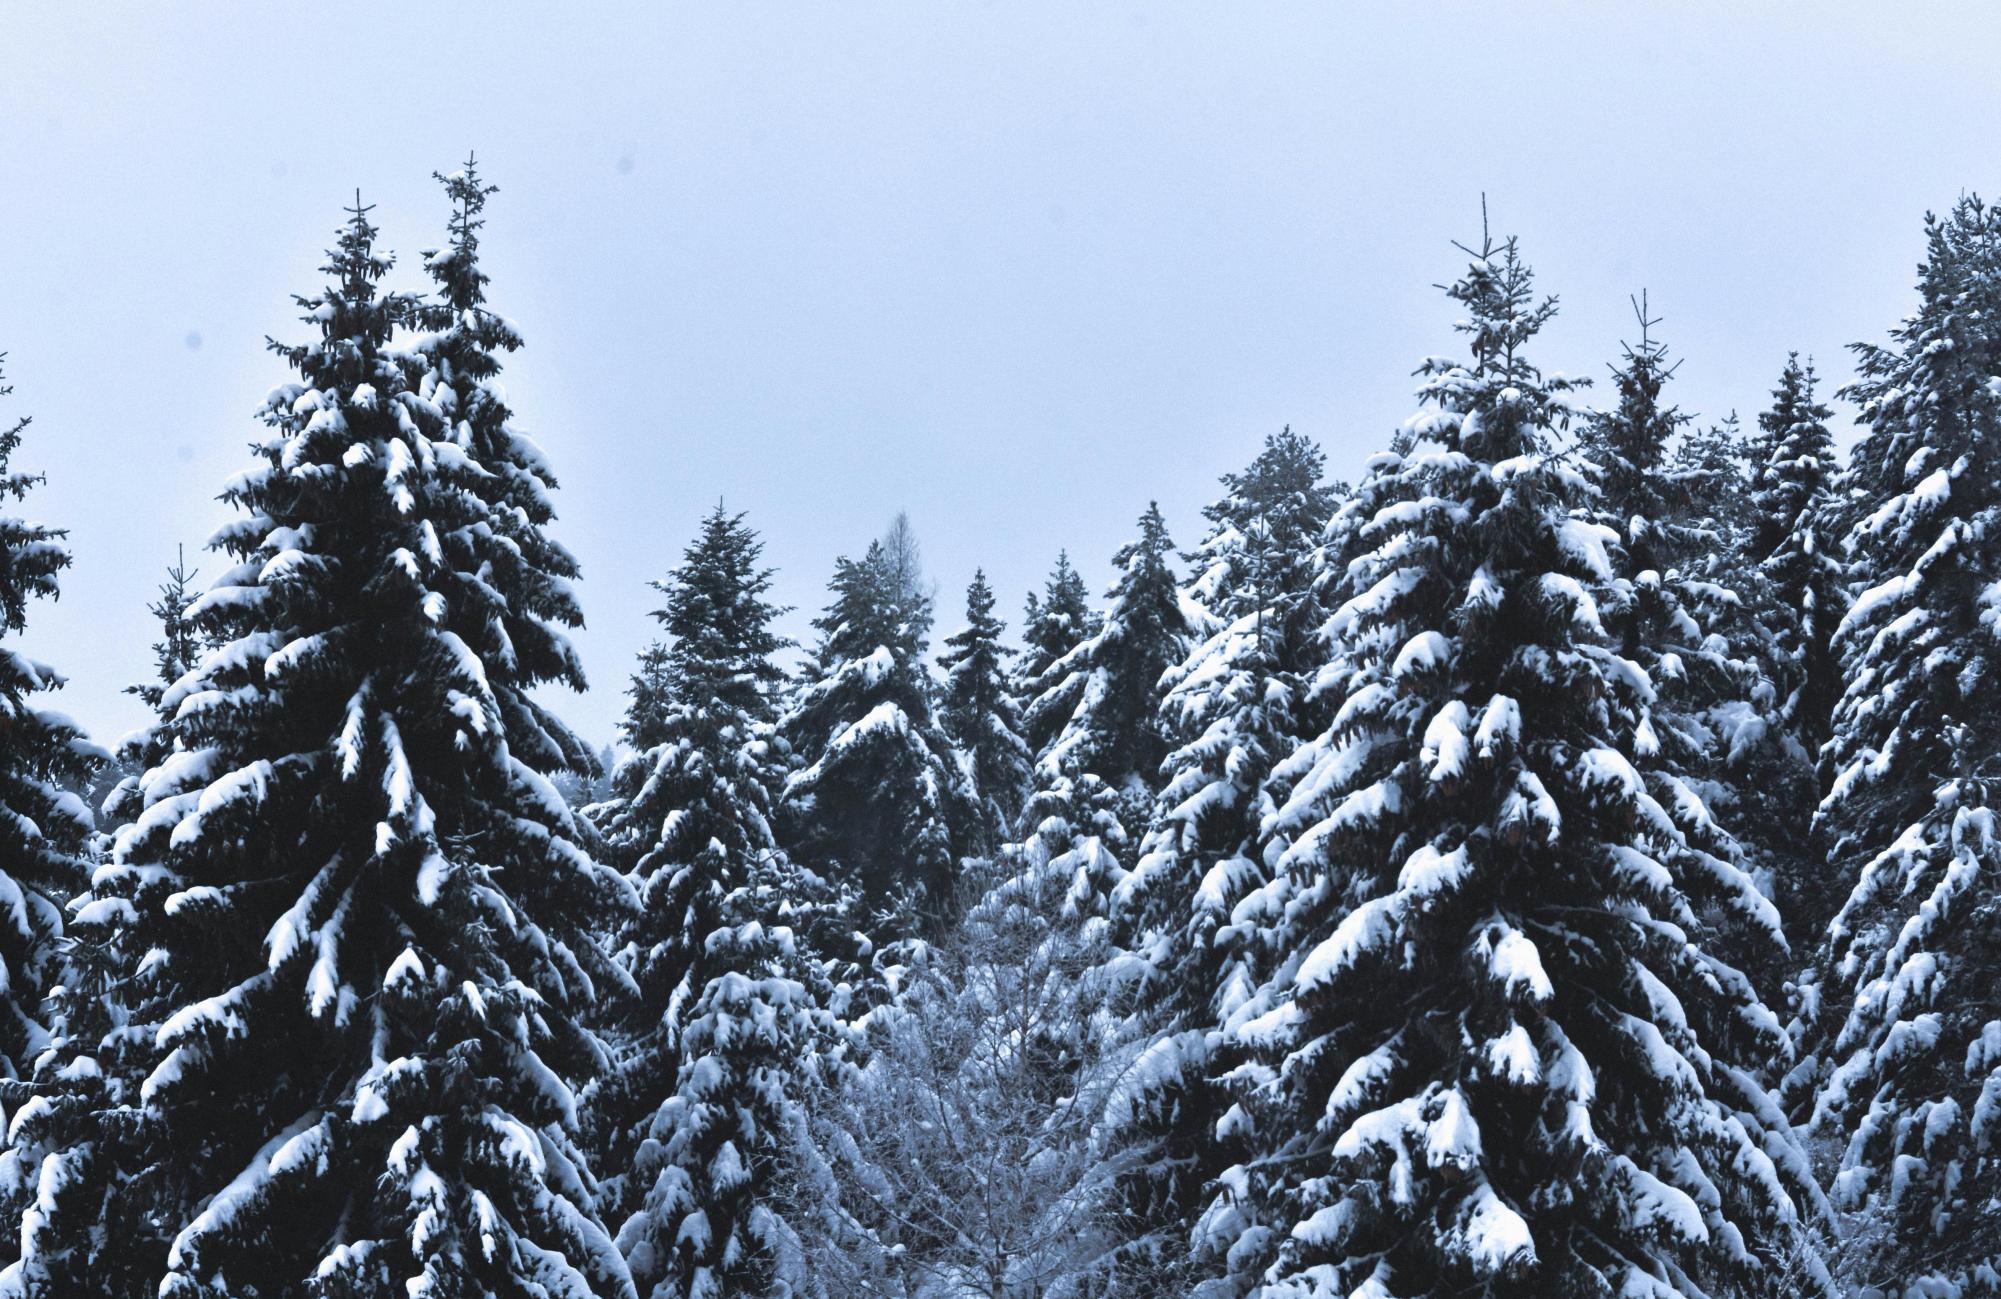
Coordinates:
[1792,497]
[1095,786]
[730,1008]
[1712,473]
[645,717]
[978,713]
[176,652]
[1068,863]
[361,898]
[1102,699]
[708,707]
[46,832]
[1235,706]
[1051,626]
[1912,974]
[1496,1054]
[879,801]
[1668,610]
[1262,534]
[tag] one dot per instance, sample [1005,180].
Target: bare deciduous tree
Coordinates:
[971,1155]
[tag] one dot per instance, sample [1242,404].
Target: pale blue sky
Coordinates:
[1014,267]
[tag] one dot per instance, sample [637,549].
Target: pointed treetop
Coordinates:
[458,271]
[1498,406]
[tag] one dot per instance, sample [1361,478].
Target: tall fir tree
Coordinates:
[731,1010]
[1667,609]
[46,830]
[1497,1054]
[1912,978]
[175,654]
[978,713]
[878,800]
[645,718]
[1234,707]
[708,704]
[1791,497]
[179,646]
[1263,530]
[1052,625]
[1101,701]
[1790,571]
[361,900]
[1712,470]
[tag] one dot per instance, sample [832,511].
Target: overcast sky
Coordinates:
[1014,267]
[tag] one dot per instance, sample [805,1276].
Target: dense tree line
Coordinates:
[1560,861]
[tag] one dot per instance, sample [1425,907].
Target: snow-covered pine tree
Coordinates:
[706,697]
[1052,625]
[1712,473]
[1095,784]
[45,846]
[1257,554]
[1791,497]
[1913,978]
[696,1120]
[1102,699]
[355,882]
[1498,1056]
[1669,609]
[1234,707]
[1069,860]
[44,760]
[879,801]
[175,654]
[1786,562]
[977,712]
[646,699]
[1096,780]
[179,646]
[80,1144]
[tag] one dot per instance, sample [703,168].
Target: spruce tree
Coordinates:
[1235,706]
[1262,535]
[360,897]
[1711,471]
[978,712]
[878,801]
[708,704]
[179,646]
[1496,1054]
[46,831]
[175,654]
[1791,497]
[730,1009]
[646,708]
[1102,699]
[1051,626]
[1912,977]
[1668,610]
